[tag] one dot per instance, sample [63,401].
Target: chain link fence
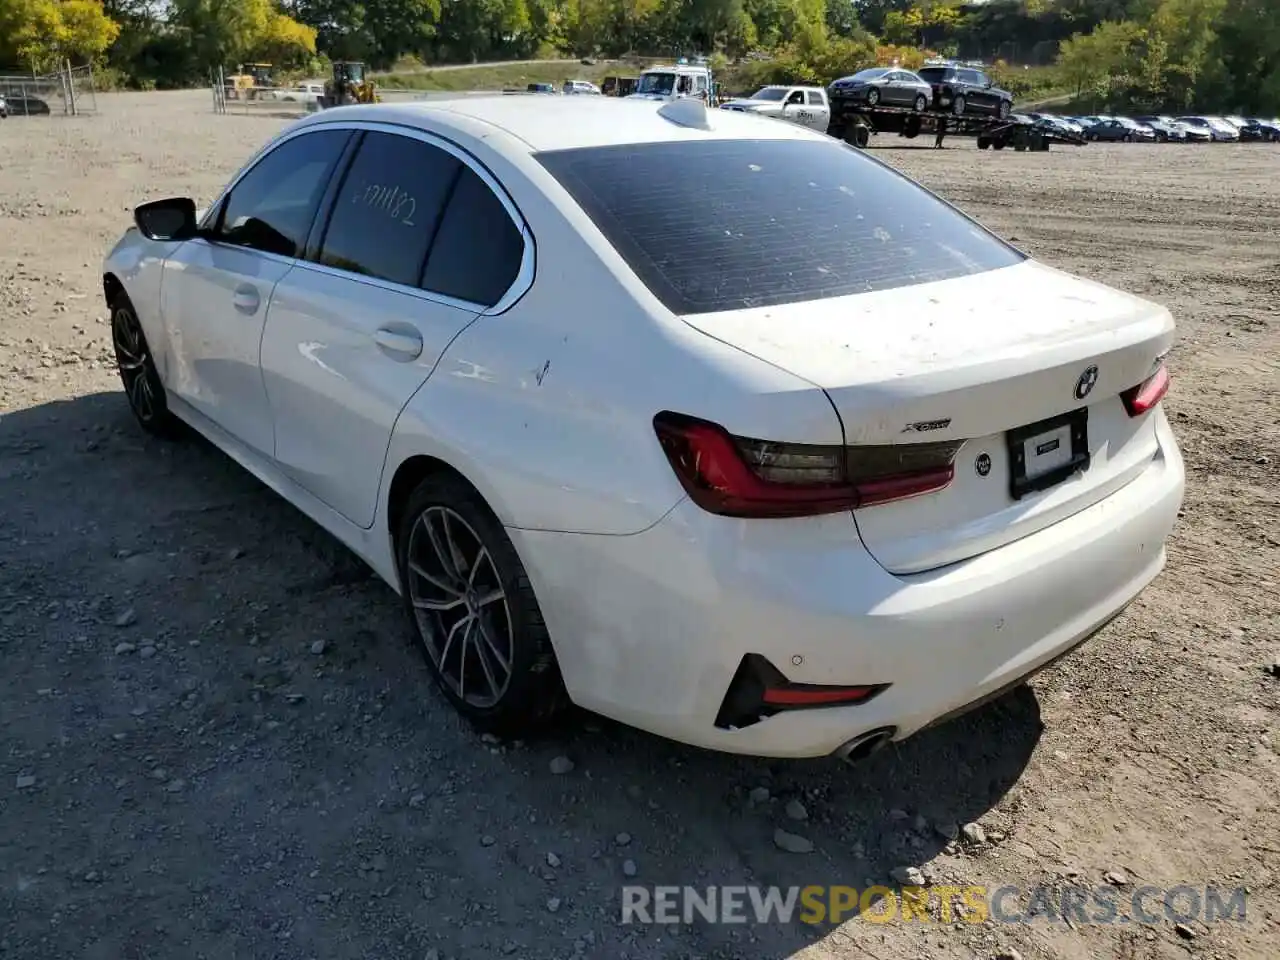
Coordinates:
[66,92]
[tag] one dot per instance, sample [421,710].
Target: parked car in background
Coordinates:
[541,88]
[890,86]
[309,91]
[1120,129]
[1166,128]
[1066,124]
[806,106]
[1228,129]
[711,520]
[1240,126]
[23,106]
[585,87]
[966,91]
[1260,131]
[1218,130]
[1266,130]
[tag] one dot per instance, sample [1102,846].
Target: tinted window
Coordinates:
[795,96]
[817,98]
[478,249]
[753,223]
[386,213]
[272,206]
[934,74]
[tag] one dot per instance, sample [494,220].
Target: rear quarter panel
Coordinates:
[548,407]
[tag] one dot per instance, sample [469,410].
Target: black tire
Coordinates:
[861,136]
[533,692]
[984,143]
[1004,109]
[921,104]
[958,105]
[138,374]
[998,144]
[873,97]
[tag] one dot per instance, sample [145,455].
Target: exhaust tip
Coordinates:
[864,745]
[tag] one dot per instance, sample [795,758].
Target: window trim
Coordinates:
[518,287]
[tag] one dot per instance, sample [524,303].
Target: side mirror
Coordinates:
[170,219]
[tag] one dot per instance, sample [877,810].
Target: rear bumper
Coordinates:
[650,628]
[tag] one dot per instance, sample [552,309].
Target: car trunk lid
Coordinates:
[1024,364]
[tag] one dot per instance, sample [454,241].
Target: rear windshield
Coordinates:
[712,225]
[934,74]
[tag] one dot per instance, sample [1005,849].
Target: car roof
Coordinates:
[563,123]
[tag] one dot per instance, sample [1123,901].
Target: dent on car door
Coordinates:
[416,246]
[217,288]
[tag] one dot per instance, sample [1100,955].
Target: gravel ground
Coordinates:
[216,741]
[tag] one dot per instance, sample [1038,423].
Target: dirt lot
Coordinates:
[215,740]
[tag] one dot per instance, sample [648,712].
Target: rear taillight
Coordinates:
[743,477]
[1138,400]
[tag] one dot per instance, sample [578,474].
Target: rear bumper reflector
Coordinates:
[759,690]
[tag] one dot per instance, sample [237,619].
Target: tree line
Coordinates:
[1172,54]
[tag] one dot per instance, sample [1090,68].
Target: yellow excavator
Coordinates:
[252,79]
[349,85]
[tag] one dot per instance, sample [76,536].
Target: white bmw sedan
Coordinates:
[711,424]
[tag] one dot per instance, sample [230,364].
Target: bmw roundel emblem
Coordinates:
[1086,382]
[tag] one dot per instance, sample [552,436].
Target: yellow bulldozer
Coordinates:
[349,85]
[249,82]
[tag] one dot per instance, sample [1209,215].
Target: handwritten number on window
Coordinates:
[393,201]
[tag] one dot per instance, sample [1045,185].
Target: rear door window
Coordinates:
[388,208]
[711,225]
[479,249]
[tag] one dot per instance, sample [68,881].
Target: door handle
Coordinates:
[246,299]
[402,345]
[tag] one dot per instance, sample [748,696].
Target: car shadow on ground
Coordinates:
[295,730]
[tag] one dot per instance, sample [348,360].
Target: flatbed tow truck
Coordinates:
[855,123]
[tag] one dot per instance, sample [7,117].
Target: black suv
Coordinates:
[965,91]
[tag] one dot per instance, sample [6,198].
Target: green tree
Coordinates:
[41,34]
[1097,62]
[1249,49]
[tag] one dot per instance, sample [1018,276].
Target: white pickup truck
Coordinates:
[806,106]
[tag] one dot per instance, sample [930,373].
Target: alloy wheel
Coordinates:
[134,363]
[460,606]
